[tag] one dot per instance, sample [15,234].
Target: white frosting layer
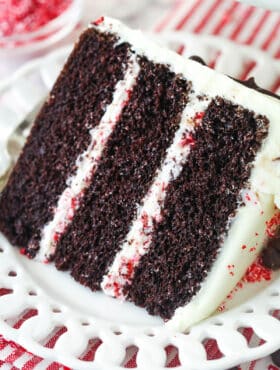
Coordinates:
[139,237]
[248,227]
[87,163]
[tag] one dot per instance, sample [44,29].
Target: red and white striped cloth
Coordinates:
[230,19]
[226,18]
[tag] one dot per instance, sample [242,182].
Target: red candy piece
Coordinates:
[272,225]
[257,272]
[98,21]
[130,269]
[145,220]
[22,251]
[116,289]
[56,237]
[187,140]
[199,115]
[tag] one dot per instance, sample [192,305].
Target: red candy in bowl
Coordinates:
[28,25]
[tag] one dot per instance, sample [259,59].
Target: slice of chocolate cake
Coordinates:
[146,175]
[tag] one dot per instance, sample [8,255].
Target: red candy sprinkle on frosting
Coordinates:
[22,251]
[198,116]
[257,272]
[23,16]
[56,237]
[187,139]
[247,196]
[271,225]
[231,269]
[145,220]
[272,367]
[130,268]
[116,289]
[98,21]
[128,93]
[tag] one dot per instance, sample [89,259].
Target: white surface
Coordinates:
[105,315]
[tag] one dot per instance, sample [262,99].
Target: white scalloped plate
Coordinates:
[61,302]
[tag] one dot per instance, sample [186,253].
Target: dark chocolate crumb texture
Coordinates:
[60,133]
[145,175]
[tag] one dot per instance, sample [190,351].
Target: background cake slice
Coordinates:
[146,175]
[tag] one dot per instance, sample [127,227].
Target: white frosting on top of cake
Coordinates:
[87,163]
[139,237]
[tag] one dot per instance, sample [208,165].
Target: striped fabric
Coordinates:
[226,18]
[230,19]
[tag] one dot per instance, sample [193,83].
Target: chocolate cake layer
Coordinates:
[197,209]
[134,152]
[60,133]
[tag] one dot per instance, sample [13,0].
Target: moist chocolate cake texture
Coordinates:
[60,133]
[145,174]
[133,154]
[173,269]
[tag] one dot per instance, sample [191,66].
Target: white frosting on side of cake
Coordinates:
[240,248]
[139,238]
[87,163]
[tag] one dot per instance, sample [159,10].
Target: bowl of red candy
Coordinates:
[29,25]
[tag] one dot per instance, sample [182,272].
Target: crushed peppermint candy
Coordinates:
[273,224]
[98,21]
[198,117]
[23,16]
[257,272]
[187,139]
